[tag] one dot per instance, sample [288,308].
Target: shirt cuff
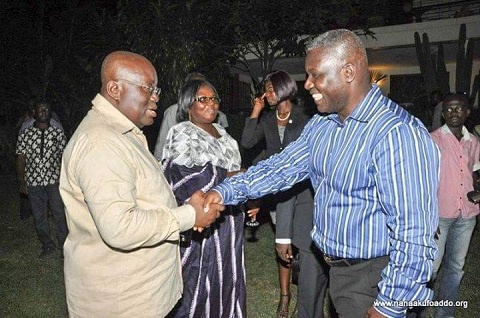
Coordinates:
[389,308]
[185,215]
[283,241]
[223,189]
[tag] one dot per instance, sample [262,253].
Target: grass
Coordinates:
[30,287]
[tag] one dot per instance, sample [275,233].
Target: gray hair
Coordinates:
[343,41]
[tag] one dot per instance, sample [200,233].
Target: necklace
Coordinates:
[284,118]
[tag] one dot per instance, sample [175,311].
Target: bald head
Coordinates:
[123,64]
[129,83]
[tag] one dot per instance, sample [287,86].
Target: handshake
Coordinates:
[208,207]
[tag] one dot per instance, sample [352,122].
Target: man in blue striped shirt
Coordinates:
[375,172]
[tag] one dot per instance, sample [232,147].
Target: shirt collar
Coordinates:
[362,112]
[113,116]
[466,134]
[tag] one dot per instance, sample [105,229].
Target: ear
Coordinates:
[349,72]
[113,90]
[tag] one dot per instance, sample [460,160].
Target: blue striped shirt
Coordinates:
[375,177]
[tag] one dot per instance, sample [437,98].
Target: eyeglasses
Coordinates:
[151,89]
[206,99]
[456,109]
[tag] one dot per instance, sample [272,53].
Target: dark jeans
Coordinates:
[353,289]
[43,198]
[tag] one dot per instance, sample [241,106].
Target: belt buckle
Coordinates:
[329,260]
[336,261]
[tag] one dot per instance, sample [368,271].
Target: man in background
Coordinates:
[24,122]
[39,152]
[460,161]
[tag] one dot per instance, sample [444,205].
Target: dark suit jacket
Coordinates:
[295,206]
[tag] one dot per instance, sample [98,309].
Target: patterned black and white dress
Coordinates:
[213,261]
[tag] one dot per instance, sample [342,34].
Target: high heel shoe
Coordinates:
[283,304]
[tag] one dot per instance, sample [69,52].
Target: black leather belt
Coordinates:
[342,262]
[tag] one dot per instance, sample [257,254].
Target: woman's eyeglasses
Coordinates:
[206,99]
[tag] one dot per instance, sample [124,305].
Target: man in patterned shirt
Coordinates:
[39,153]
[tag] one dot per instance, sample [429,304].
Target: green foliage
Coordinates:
[53,49]
[265,31]
[177,37]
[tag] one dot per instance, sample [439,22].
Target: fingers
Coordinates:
[212,197]
[284,257]
[208,208]
[253,213]
[198,195]
[198,229]
[259,101]
[284,251]
[218,207]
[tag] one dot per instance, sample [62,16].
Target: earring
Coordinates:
[189,117]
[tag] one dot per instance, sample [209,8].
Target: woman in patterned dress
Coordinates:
[199,154]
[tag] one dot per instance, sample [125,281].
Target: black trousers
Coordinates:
[353,289]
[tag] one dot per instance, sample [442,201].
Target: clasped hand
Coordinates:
[208,207]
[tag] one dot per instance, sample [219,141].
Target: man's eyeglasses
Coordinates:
[151,89]
[206,99]
[457,109]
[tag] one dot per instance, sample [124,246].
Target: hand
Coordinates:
[258,105]
[373,313]
[474,196]
[204,218]
[252,213]
[253,204]
[284,251]
[212,199]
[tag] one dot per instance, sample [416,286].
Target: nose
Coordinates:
[155,98]
[308,84]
